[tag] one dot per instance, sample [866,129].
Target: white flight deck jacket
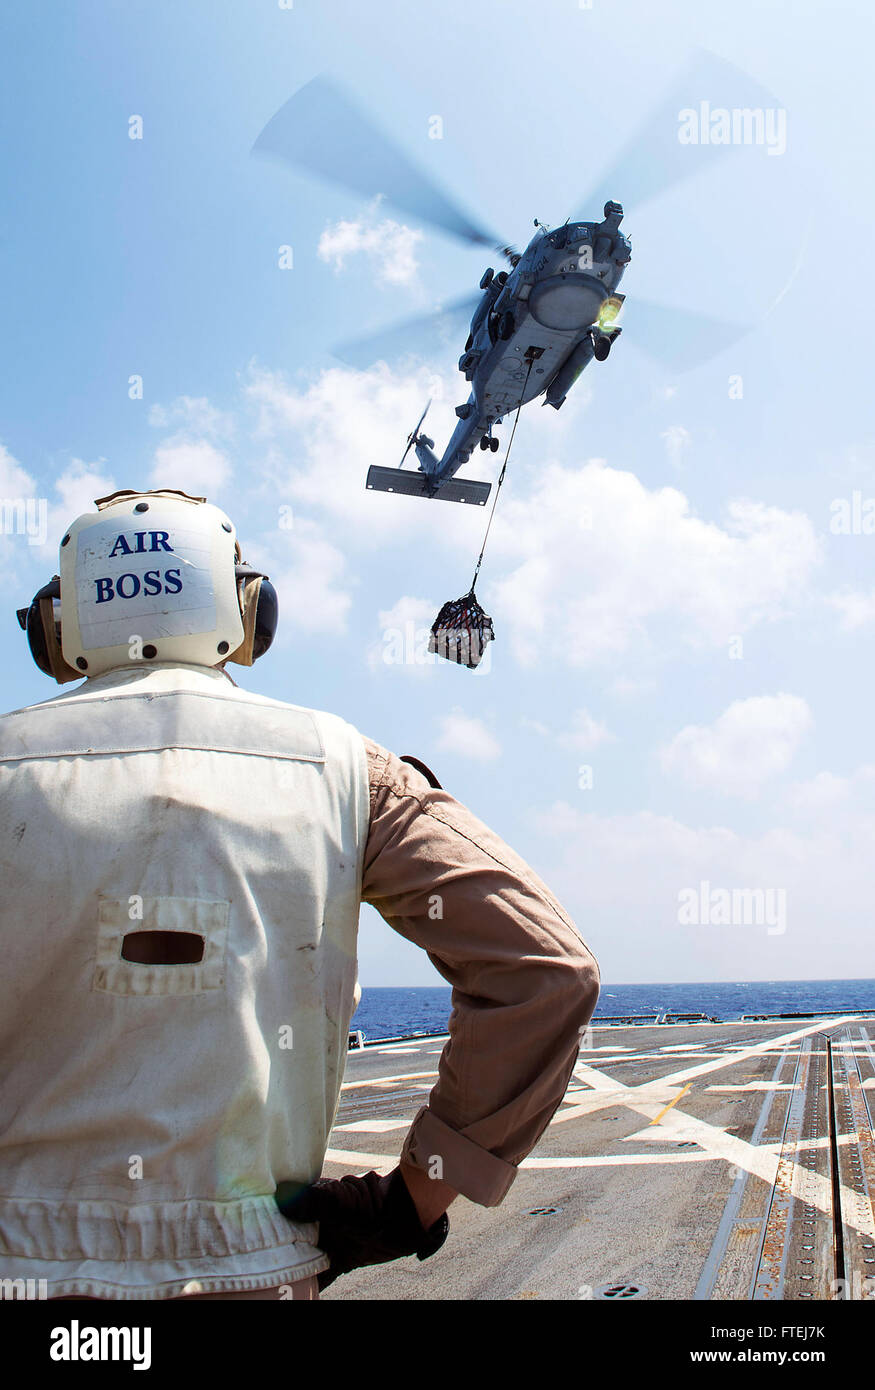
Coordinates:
[148,1112]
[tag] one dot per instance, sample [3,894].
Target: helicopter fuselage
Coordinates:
[534,330]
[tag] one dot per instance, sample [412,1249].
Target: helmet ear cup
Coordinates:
[266,618]
[42,623]
[259,606]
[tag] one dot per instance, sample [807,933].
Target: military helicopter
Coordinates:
[532,333]
[535,327]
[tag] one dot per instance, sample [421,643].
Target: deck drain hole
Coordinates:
[619,1291]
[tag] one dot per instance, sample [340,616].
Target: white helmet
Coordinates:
[151,576]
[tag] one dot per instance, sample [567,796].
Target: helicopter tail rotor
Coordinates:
[410,482]
[413,437]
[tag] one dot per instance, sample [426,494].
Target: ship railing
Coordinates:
[817,1013]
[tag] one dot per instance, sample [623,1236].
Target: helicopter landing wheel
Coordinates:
[484,442]
[493,444]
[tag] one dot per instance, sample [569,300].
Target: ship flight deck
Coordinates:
[722,1161]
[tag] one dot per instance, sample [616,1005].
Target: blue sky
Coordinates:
[704,646]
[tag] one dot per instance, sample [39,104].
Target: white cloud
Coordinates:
[323,435]
[404,632]
[599,561]
[536,725]
[827,791]
[630,687]
[419,611]
[856,609]
[193,466]
[620,877]
[389,246]
[819,792]
[14,480]
[469,737]
[76,488]
[190,459]
[194,414]
[677,441]
[585,733]
[590,563]
[752,741]
[310,582]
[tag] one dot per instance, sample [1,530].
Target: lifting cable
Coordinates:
[462,629]
[501,475]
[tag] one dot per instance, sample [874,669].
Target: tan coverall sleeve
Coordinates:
[524,982]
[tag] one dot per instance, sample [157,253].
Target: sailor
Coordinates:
[183,863]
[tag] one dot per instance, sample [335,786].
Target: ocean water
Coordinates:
[393,1013]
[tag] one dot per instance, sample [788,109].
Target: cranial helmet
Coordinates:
[151,576]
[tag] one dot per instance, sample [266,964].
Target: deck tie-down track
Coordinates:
[818,1239]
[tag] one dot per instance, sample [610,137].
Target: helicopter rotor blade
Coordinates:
[678,338]
[321,129]
[411,438]
[676,140]
[426,336]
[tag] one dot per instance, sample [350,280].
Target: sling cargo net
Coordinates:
[460,631]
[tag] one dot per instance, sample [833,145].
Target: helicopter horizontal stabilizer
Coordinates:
[415,484]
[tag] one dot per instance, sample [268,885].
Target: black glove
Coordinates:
[362,1221]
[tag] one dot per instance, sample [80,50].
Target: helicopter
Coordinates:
[532,333]
[532,329]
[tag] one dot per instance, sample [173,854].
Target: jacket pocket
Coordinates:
[120,918]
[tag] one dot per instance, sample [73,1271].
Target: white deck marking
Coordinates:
[726,1059]
[383,1080]
[374,1126]
[617,1160]
[649,1100]
[386,1162]
[761,1160]
[630,1057]
[383,1163]
[755,1086]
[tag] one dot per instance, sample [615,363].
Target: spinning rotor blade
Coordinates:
[427,336]
[676,140]
[411,438]
[678,338]
[322,130]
